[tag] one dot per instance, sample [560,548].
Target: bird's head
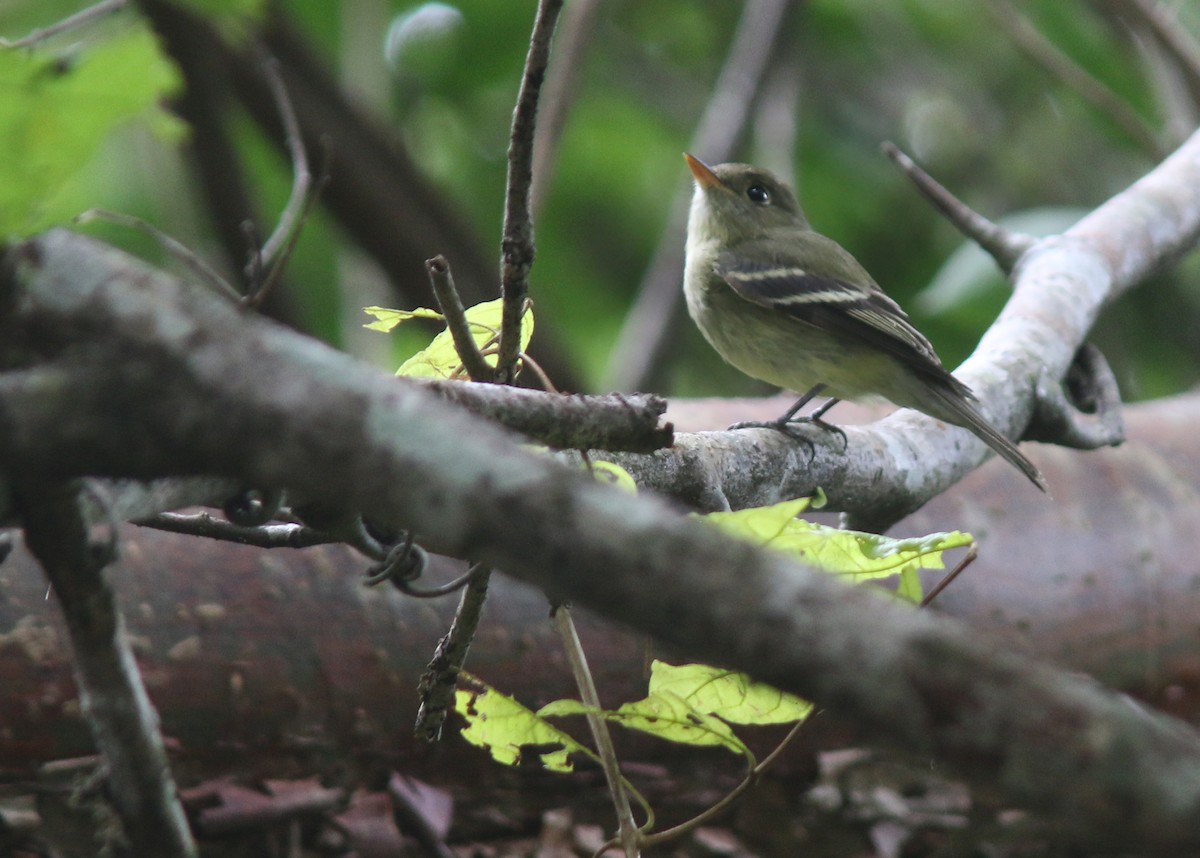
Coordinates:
[740,202]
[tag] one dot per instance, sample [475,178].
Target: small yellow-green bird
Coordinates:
[789,306]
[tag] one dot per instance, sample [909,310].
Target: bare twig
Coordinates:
[1003,245]
[613,421]
[120,715]
[649,321]
[440,679]
[574,37]
[203,271]
[674,833]
[516,246]
[269,536]
[627,830]
[969,558]
[267,262]
[456,320]
[79,19]
[1046,54]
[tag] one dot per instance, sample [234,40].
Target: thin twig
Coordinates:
[205,272]
[968,559]
[79,19]
[456,320]
[1003,245]
[516,246]
[575,35]
[269,536]
[675,832]
[1174,38]
[648,323]
[1048,55]
[627,829]
[543,377]
[440,679]
[275,249]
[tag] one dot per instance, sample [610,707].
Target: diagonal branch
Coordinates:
[1048,55]
[1003,245]
[120,713]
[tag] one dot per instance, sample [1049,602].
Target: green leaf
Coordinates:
[440,359]
[668,716]
[731,696]
[613,475]
[761,525]
[859,556]
[386,319]
[663,714]
[56,112]
[910,588]
[505,728]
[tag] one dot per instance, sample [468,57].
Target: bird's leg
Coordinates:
[815,419]
[783,424]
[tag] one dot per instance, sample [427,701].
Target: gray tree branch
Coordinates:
[164,379]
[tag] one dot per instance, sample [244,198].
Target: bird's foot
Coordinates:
[788,426]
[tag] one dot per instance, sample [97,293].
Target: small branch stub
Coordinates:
[456,319]
[1004,246]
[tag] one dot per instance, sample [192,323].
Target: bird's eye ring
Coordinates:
[758,194]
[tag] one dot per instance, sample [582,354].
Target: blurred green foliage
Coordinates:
[942,80]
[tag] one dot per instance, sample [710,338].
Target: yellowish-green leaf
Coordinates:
[859,556]
[613,475]
[669,716]
[664,715]
[762,525]
[910,588]
[440,359]
[387,319]
[505,729]
[731,696]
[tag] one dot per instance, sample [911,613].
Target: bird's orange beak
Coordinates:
[702,173]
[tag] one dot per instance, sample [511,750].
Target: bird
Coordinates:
[791,307]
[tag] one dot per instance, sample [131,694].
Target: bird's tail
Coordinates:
[958,407]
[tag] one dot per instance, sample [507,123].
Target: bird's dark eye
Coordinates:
[758,194]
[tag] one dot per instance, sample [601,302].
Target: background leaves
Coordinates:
[944,81]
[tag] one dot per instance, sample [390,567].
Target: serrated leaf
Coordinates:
[440,358]
[729,695]
[505,728]
[56,112]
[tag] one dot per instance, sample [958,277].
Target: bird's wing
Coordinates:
[831,303]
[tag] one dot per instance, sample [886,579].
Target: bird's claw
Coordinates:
[788,426]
